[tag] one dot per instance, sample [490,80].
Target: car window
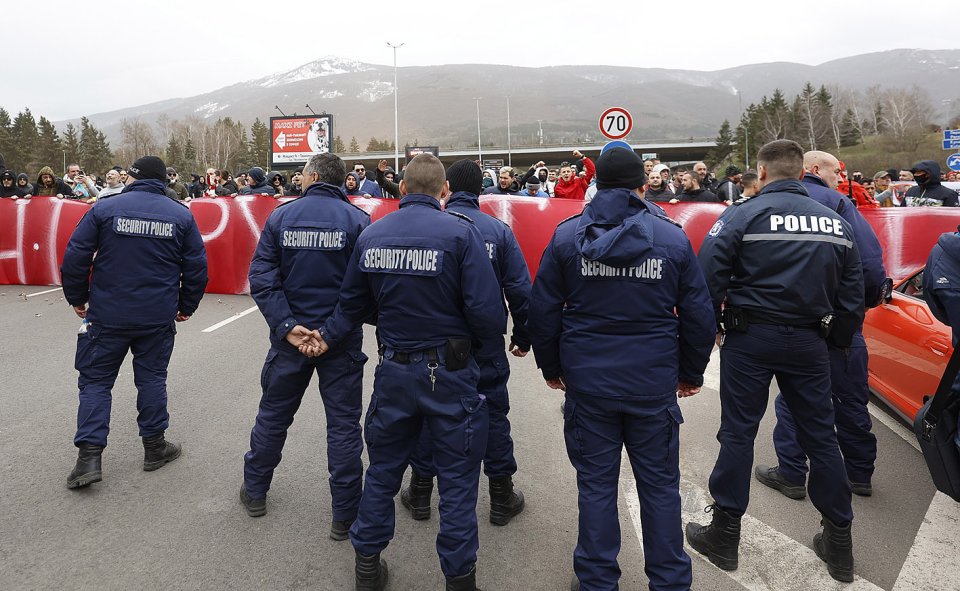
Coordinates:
[913,287]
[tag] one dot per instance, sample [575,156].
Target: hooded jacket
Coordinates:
[58,187]
[941,282]
[27,188]
[615,281]
[281,191]
[12,190]
[930,193]
[356,191]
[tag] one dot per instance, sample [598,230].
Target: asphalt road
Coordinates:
[182,527]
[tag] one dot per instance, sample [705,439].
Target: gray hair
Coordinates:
[328,167]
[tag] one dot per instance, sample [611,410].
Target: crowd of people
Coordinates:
[574,179]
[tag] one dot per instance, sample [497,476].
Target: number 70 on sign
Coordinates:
[616,123]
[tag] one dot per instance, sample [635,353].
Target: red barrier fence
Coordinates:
[34,232]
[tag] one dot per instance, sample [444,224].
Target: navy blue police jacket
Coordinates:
[871,253]
[941,274]
[785,256]
[150,262]
[509,266]
[426,275]
[302,258]
[619,307]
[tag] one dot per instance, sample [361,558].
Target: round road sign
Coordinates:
[616,123]
[953,162]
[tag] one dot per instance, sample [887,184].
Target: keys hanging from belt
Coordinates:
[432,366]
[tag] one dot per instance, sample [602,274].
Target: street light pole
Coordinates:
[479,144]
[509,151]
[540,125]
[396,116]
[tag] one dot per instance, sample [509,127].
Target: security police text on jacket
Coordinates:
[427,276]
[621,318]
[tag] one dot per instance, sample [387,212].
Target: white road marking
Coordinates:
[30,295]
[236,316]
[935,551]
[768,559]
[893,424]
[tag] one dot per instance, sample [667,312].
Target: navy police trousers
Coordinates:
[404,401]
[848,378]
[285,376]
[596,430]
[498,459]
[798,358]
[100,353]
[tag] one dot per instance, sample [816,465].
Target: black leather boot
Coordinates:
[719,541]
[505,502]
[835,547]
[371,572]
[157,451]
[467,582]
[87,471]
[416,497]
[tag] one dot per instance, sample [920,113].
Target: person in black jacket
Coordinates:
[692,191]
[391,189]
[928,191]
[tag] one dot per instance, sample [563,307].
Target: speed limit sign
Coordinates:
[616,123]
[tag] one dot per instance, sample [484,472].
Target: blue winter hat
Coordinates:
[257,174]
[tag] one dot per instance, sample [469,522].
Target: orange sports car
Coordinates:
[909,348]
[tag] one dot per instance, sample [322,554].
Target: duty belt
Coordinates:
[755,317]
[432,355]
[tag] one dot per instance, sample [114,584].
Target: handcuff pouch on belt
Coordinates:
[458,353]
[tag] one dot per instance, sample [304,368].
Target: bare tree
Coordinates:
[137,139]
[904,115]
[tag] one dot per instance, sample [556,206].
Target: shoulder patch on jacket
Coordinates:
[743,200]
[459,215]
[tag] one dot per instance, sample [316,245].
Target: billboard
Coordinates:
[293,140]
[414,151]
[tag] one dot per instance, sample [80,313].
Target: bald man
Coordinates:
[707,182]
[848,367]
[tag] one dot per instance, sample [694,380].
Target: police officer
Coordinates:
[848,366]
[295,279]
[758,260]
[941,289]
[608,286]
[150,270]
[427,277]
[499,464]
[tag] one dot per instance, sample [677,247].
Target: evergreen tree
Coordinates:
[190,156]
[25,142]
[104,155]
[338,147]
[49,147]
[849,131]
[747,136]
[71,144]
[260,144]
[6,136]
[724,146]
[173,155]
[354,145]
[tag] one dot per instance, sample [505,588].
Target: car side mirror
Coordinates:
[886,290]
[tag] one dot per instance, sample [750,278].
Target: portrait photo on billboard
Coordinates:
[294,140]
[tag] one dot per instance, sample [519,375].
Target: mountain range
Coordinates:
[437,104]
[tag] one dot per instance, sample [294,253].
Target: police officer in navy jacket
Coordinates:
[620,318]
[150,269]
[848,366]
[295,278]
[426,276]
[513,277]
[786,271]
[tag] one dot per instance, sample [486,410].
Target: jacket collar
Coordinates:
[325,190]
[813,179]
[464,198]
[420,199]
[146,186]
[785,186]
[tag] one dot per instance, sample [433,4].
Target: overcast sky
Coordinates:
[65,59]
